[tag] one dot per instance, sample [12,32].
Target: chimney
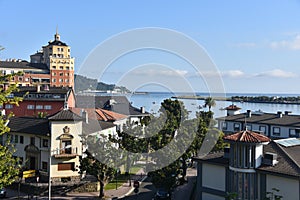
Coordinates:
[143,109]
[279,114]
[84,115]
[248,113]
[287,112]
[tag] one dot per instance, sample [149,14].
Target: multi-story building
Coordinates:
[52,66]
[43,100]
[53,145]
[254,167]
[274,125]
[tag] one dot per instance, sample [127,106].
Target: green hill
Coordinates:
[84,83]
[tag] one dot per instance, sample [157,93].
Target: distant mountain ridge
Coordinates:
[84,83]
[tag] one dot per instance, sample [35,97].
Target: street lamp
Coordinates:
[66,147]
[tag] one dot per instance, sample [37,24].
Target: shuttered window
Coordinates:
[66,166]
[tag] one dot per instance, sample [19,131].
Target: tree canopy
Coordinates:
[9,166]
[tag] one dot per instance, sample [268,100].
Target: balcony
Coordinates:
[66,153]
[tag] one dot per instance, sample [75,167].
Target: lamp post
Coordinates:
[50,159]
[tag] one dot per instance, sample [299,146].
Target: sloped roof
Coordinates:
[29,125]
[265,118]
[100,114]
[288,160]
[117,104]
[95,126]
[25,65]
[232,107]
[65,115]
[58,43]
[247,136]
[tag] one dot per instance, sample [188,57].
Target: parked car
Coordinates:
[3,192]
[162,194]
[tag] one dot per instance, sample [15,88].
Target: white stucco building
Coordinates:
[250,168]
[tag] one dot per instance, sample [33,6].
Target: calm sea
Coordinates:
[152,101]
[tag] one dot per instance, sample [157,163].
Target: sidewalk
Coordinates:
[121,192]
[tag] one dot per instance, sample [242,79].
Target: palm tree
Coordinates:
[210,102]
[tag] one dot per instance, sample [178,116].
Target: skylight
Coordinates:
[288,142]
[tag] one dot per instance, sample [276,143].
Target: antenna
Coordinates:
[245,123]
[56,29]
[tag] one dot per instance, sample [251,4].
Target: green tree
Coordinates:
[9,167]
[209,102]
[96,164]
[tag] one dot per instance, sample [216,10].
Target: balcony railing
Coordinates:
[66,153]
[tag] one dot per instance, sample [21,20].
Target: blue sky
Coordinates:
[254,44]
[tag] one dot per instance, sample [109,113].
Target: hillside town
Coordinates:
[256,156]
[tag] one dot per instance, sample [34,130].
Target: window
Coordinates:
[262,129]
[45,166]
[276,131]
[53,67]
[54,80]
[294,132]
[236,127]
[61,67]
[32,140]
[8,106]
[45,142]
[53,73]
[48,107]
[67,68]
[26,79]
[224,125]
[61,80]
[21,139]
[30,107]
[20,78]
[67,80]
[65,166]
[61,74]
[16,138]
[39,107]
[249,127]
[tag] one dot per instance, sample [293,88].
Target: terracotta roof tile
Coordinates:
[248,137]
[232,107]
[100,114]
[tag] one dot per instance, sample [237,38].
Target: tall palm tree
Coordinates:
[209,102]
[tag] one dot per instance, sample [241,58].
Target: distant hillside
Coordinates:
[83,83]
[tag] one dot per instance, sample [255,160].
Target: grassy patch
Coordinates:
[121,179]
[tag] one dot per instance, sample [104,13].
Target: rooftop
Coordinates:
[265,118]
[24,65]
[247,136]
[65,115]
[288,159]
[100,114]
[117,104]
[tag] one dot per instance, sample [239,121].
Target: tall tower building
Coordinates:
[57,56]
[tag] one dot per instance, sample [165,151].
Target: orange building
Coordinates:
[52,66]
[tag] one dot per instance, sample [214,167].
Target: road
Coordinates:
[146,192]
